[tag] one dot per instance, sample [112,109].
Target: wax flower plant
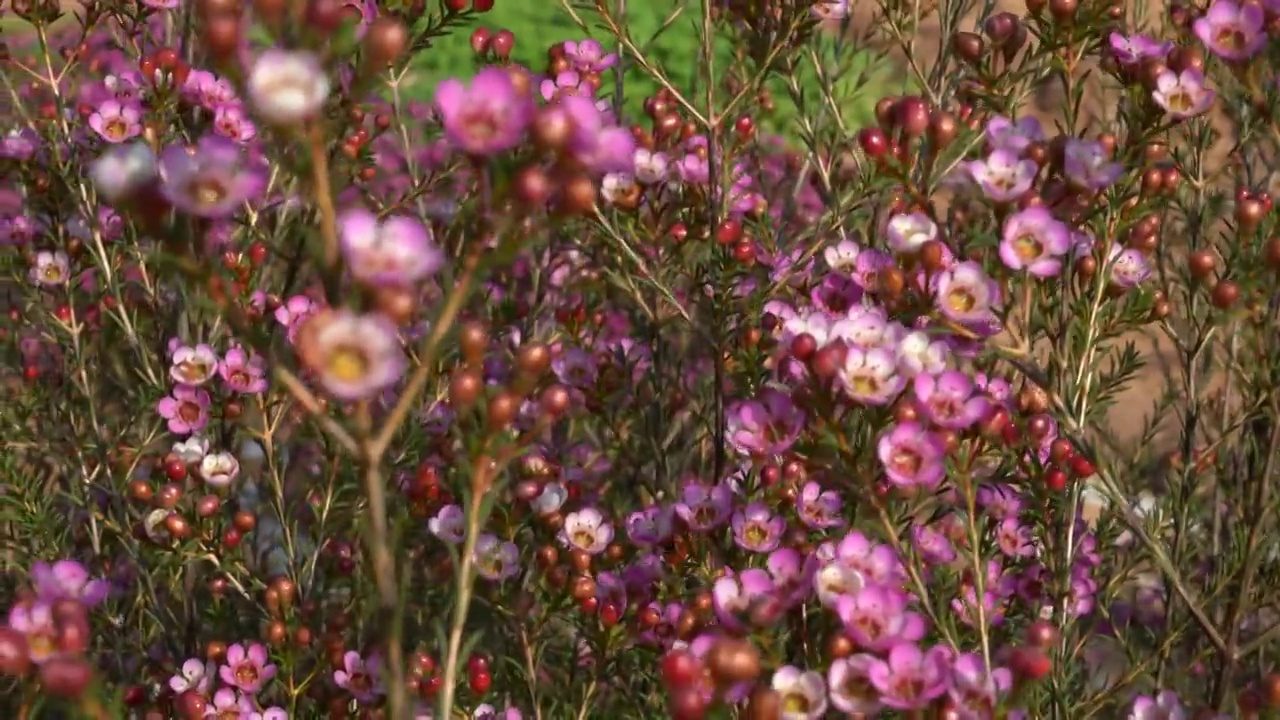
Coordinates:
[563,389]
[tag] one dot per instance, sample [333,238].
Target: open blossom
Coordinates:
[1133,49]
[212,179]
[735,595]
[193,365]
[911,455]
[396,250]
[1183,94]
[116,122]
[69,580]
[1231,30]
[849,681]
[1088,165]
[227,703]
[586,530]
[243,371]
[966,294]
[876,618]
[247,669]
[910,679]
[449,524]
[287,87]
[757,528]
[976,691]
[123,170]
[803,693]
[487,117]
[1013,135]
[353,356]
[1129,267]
[950,400]
[496,559]
[870,376]
[359,676]
[1003,176]
[186,409]
[1034,241]
[767,425]
[818,508]
[704,508]
[195,674]
[51,268]
[908,232]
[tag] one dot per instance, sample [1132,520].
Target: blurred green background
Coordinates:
[539,24]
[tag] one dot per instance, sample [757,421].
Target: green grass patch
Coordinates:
[669,39]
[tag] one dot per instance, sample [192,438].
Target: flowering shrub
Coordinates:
[328,401]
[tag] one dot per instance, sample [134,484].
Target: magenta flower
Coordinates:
[186,409]
[1014,136]
[1087,165]
[359,676]
[293,311]
[247,670]
[1003,176]
[819,509]
[116,122]
[756,528]
[596,143]
[213,179]
[588,56]
[1034,241]
[36,622]
[849,680]
[876,618]
[768,425]
[912,456]
[67,579]
[704,508]
[1164,706]
[1232,31]
[232,122]
[934,547]
[397,250]
[974,690]
[1133,49]
[243,371]
[910,679]
[1183,95]
[487,117]
[651,526]
[950,400]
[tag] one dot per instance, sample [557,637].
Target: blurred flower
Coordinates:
[287,87]
[353,356]
[397,250]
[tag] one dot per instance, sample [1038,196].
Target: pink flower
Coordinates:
[359,676]
[247,670]
[116,122]
[487,117]
[910,679]
[1232,31]
[243,372]
[187,410]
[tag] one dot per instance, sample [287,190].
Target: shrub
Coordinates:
[532,394]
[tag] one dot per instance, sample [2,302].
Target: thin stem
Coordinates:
[427,355]
[323,195]
[384,573]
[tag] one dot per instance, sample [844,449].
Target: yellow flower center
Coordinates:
[348,364]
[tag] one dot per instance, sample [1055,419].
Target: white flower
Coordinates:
[651,166]
[153,525]
[192,450]
[193,365]
[616,186]
[120,172]
[219,469]
[51,268]
[287,87]
[834,580]
[194,675]
[908,233]
[587,531]
[804,693]
[843,255]
[551,499]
